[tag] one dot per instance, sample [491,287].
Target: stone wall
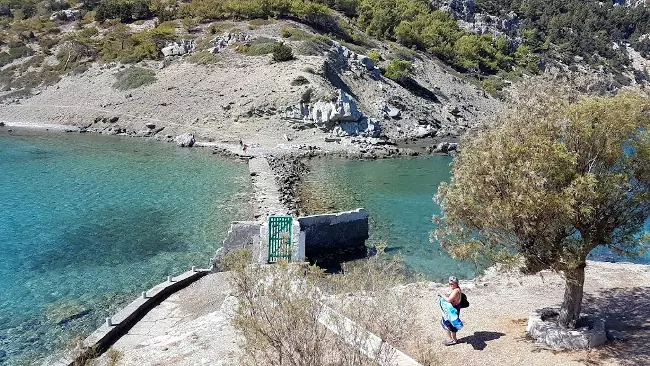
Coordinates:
[242,235]
[334,237]
[324,239]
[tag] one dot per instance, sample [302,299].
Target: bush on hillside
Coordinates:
[295,34]
[125,10]
[398,69]
[314,46]
[204,58]
[282,53]
[374,56]
[299,81]
[134,77]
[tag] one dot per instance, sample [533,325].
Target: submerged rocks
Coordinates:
[288,171]
[185,140]
[444,148]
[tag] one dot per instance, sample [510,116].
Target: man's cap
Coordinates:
[453,279]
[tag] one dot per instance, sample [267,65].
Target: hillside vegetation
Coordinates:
[55,37]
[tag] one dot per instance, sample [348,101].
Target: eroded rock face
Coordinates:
[343,58]
[343,109]
[185,140]
[340,116]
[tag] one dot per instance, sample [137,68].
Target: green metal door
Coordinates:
[280,238]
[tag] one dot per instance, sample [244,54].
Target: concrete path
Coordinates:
[191,327]
[266,190]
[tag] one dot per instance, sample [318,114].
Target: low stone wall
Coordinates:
[551,334]
[334,237]
[242,235]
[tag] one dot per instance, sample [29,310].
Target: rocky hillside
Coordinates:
[286,72]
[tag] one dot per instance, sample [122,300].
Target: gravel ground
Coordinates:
[495,322]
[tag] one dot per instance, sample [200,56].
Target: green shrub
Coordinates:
[258,47]
[494,87]
[295,34]
[299,81]
[282,53]
[314,46]
[398,69]
[134,77]
[204,58]
[125,10]
[257,23]
[374,56]
[15,52]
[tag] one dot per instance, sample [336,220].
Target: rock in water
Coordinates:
[185,140]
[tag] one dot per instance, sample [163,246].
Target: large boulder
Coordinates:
[185,140]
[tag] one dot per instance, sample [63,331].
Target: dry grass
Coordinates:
[282,308]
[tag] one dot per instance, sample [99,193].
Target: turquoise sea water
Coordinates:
[398,195]
[88,222]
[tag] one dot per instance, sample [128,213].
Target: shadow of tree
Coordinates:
[414,87]
[479,340]
[625,310]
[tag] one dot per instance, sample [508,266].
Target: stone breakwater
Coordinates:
[288,170]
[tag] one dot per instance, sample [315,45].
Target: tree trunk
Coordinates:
[570,311]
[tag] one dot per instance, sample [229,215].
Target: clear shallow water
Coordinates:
[398,195]
[87,222]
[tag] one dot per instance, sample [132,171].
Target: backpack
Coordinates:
[463,301]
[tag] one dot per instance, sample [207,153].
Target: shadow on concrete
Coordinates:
[624,310]
[479,340]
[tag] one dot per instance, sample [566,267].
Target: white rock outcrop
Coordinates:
[224,41]
[343,109]
[185,140]
[340,116]
[178,48]
[68,14]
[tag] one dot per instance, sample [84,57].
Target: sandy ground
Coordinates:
[192,327]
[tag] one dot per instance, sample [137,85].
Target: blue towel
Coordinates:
[450,313]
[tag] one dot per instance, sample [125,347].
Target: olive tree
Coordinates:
[549,182]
